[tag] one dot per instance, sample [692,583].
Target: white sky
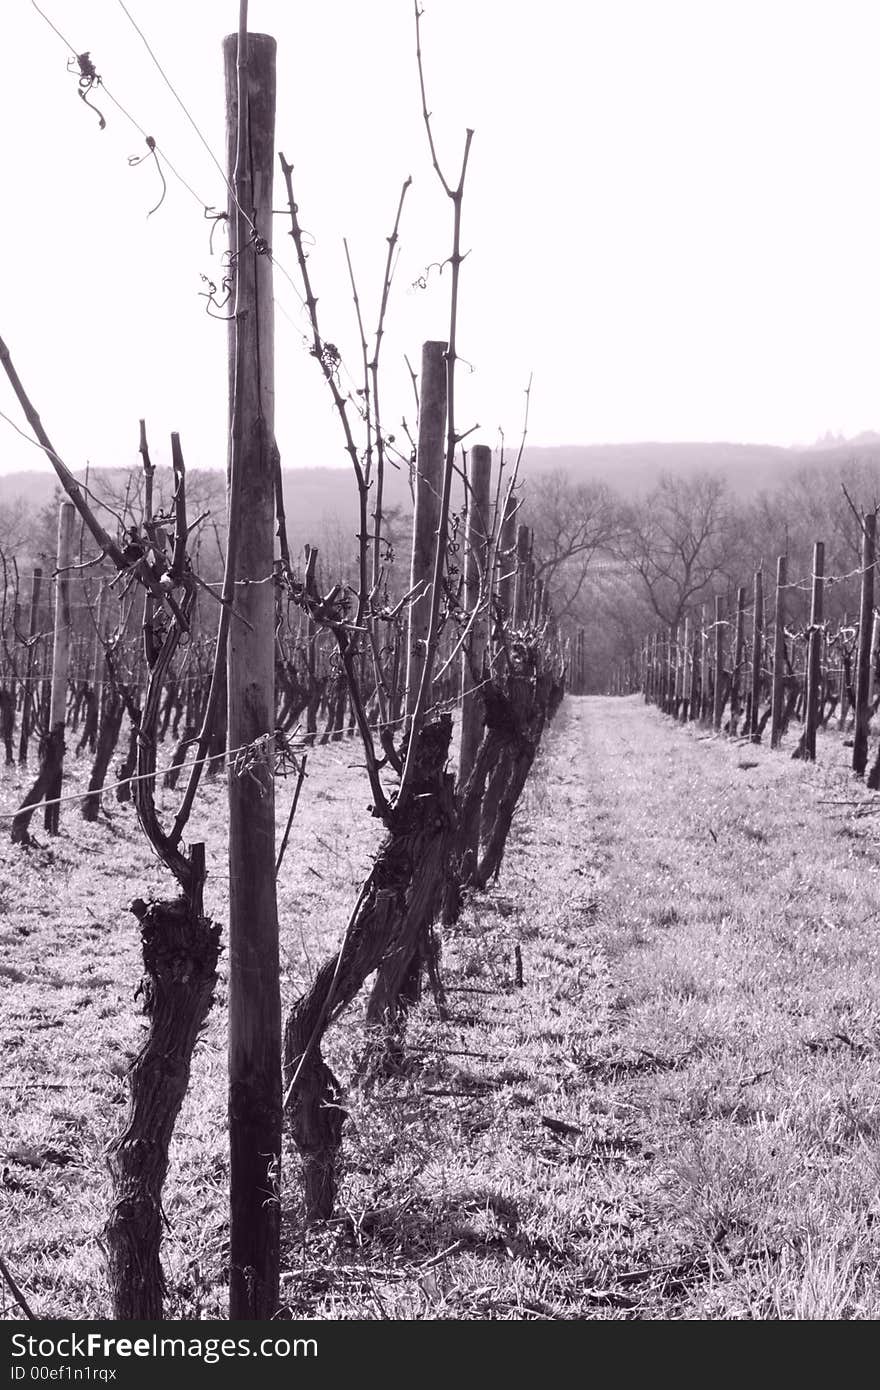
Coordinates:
[672,212]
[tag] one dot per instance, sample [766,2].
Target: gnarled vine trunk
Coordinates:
[401,892]
[180,951]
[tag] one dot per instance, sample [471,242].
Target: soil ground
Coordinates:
[674,1115]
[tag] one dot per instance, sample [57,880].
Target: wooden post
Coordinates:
[866,632]
[694,695]
[669,681]
[477,599]
[814,654]
[60,658]
[430,456]
[738,645]
[705,707]
[521,589]
[757,657]
[254,992]
[875,648]
[684,663]
[842,684]
[718,701]
[96,670]
[506,563]
[61,638]
[29,704]
[779,652]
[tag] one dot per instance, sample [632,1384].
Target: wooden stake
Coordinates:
[757,656]
[60,657]
[779,652]
[814,654]
[426,517]
[866,632]
[476,579]
[254,993]
[506,566]
[875,648]
[738,645]
[29,703]
[718,700]
[522,596]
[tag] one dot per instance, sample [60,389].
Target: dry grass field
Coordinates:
[675,1116]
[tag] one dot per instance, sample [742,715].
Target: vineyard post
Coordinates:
[60,659]
[694,694]
[311,630]
[778,697]
[703,636]
[426,517]
[875,648]
[521,587]
[255,1111]
[814,654]
[718,702]
[538,601]
[29,703]
[866,629]
[96,668]
[684,664]
[738,645]
[505,564]
[757,656]
[842,685]
[478,604]
[671,673]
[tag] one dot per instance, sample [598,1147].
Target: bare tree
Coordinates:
[572,523]
[680,541]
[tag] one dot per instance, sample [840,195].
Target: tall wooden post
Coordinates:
[477,599]
[506,562]
[430,456]
[705,707]
[254,992]
[875,648]
[522,595]
[718,700]
[738,645]
[863,669]
[685,664]
[814,654]
[60,659]
[29,703]
[694,694]
[778,652]
[671,646]
[757,656]
[51,771]
[843,687]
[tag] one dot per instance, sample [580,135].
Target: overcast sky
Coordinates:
[671,213]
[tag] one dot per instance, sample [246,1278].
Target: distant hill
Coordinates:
[322,502]
[748,468]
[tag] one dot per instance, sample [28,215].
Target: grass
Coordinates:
[676,1116]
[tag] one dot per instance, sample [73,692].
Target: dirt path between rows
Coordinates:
[726,1076]
[676,1115]
[657,1095]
